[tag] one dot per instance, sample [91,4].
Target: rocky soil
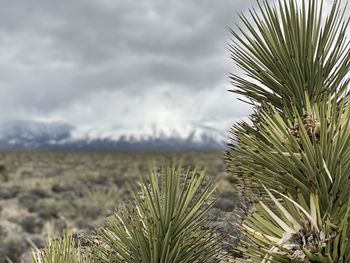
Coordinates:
[41,194]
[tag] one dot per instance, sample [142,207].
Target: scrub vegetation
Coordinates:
[290,164]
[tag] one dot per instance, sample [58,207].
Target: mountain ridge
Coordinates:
[60,136]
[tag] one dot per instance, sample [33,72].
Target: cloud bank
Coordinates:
[119,66]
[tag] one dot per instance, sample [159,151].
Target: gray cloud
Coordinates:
[124,60]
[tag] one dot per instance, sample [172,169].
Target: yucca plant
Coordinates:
[294,158]
[297,161]
[312,163]
[294,232]
[287,49]
[64,250]
[165,223]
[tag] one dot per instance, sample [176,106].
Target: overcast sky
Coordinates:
[119,65]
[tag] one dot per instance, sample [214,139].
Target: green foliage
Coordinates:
[3,172]
[298,145]
[300,159]
[64,250]
[298,163]
[304,159]
[288,49]
[165,222]
[95,202]
[294,232]
[48,208]
[2,167]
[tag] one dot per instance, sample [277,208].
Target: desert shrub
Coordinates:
[3,172]
[2,167]
[63,250]
[50,208]
[165,222]
[94,202]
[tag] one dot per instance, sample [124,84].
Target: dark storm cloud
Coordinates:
[56,55]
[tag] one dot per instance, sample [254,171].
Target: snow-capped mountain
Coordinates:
[59,136]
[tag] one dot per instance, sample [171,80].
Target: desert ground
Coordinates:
[42,194]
